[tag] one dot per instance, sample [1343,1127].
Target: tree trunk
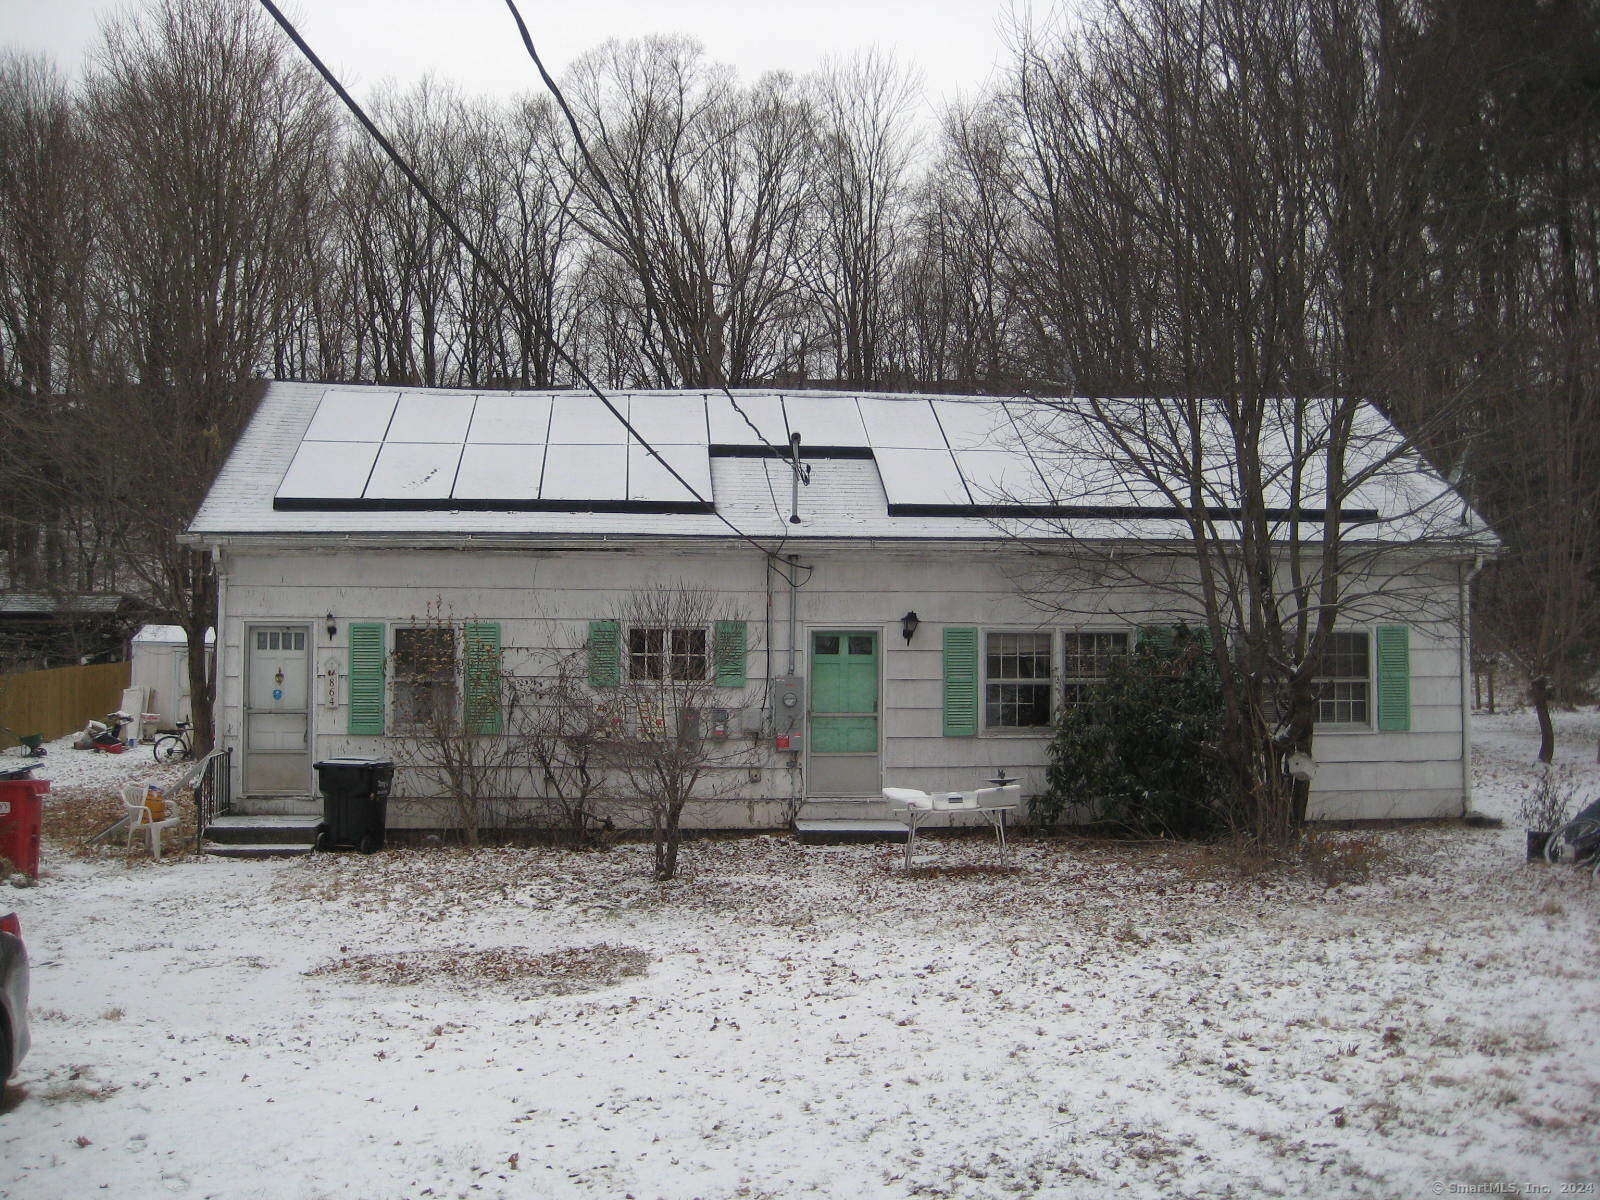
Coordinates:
[1541,706]
[668,835]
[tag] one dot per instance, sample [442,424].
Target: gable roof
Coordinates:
[345,460]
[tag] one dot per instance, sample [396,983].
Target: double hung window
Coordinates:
[1017,680]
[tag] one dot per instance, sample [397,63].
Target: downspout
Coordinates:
[218,707]
[1464,578]
[766,565]
[794,602]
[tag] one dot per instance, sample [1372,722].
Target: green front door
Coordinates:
[844,714]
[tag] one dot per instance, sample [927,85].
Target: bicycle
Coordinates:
[1578,841]
[175,747]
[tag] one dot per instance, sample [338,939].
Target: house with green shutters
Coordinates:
[909,588]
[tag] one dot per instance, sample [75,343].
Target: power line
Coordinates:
[489,268]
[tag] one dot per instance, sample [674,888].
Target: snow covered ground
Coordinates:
[1148,1021]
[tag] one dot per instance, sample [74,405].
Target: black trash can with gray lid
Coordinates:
[355,802]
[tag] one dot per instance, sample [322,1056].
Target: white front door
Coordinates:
[277,714]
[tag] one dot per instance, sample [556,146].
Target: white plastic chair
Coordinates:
[140,819]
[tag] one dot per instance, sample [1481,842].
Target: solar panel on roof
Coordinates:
[511,420]
[425,417]
[1002,477]
[585,421]
[499,472]
[901,424]
[591,472]
[825,420]
[729,428]
[920,477]
[328,471]
[669,420]
[974,426]
[351,416]
[414,471]
[649,481]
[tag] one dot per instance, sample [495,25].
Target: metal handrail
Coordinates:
[213,795]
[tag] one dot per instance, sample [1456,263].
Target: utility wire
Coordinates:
[489,268]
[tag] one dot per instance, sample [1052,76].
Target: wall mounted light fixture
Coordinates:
[908,626]
[333,627]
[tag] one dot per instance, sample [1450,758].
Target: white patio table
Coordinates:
[990,803]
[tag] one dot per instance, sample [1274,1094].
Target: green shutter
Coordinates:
[1160,637]
[366,678]
[605,658]
[1394,677]
[960,683]
[728,644]
[482,672]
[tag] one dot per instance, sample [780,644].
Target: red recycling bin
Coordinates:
[22,822]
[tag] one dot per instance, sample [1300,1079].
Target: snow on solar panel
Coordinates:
[920,477]
[431,417]
[511,420]
[728,428]
[669,420]
[328,471]
[499,472]
[585,473]
[901,424]
[350,416]
[649,481]
[414,471]
[825,420]
[975,425]
[585,421]
[1002,477]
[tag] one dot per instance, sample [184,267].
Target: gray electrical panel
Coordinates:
[788,711]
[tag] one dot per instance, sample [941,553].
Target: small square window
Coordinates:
[861,644]
[659,652]
[826,643]
[1087,660]
[261,639]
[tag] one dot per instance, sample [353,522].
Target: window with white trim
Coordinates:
[1344,685]
[662,652]
[1086,659]
[1016,680]
[424,674]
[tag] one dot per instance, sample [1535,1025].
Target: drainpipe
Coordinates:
[794,606]
[219,708]
[766,571]
[1464,578]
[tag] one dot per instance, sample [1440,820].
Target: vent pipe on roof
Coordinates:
[794,483]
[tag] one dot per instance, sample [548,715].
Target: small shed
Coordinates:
[161,668]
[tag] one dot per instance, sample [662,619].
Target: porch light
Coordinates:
[333,627]
[908,626]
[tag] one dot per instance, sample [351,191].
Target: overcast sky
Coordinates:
[954,43]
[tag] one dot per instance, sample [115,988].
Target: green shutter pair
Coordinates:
[728,640]
[483,700]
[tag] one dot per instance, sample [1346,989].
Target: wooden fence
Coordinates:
[58,701]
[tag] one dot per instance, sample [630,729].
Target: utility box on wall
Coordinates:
[788,711]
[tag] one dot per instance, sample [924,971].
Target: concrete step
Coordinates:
[812,831]
[258,829]
[258,849]
[846,808]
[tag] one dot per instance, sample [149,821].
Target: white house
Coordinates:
[905,595]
